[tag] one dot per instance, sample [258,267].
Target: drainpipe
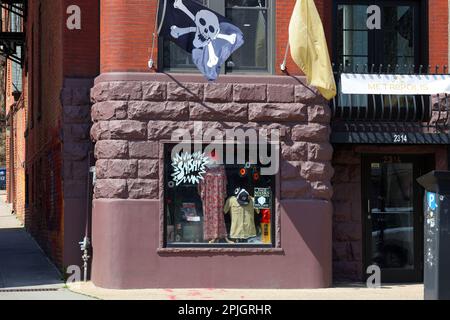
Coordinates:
[85,245]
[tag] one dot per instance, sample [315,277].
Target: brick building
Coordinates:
[48,116]
[147,231]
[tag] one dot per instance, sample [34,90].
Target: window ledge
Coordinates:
[221,250]
[198,78]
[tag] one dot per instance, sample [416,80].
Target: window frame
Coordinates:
[422,51]
[219,7]
[165,247]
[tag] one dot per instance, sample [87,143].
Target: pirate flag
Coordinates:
[208,36]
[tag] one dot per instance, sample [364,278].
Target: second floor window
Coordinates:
[253,17]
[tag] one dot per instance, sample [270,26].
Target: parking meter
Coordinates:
[436,234]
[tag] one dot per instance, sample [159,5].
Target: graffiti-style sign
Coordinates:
[189,168]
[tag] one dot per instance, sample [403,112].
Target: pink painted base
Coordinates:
[127,256]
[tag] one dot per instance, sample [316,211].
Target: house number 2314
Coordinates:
[400,138]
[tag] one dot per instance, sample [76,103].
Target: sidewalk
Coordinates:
[25,271]
[356,292]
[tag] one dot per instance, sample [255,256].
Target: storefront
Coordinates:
[383,143]
[344,197]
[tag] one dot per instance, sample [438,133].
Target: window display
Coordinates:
[212,203]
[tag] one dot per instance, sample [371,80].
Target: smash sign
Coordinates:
[189,168]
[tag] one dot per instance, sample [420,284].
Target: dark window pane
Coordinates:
[245,3]
[352,17]
[253,55]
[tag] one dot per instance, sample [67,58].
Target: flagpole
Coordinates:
[283,65]
[288,45]
[156,31]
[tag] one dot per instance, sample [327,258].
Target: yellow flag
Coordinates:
[309,47]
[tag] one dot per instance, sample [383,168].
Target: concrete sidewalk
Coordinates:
[25,271]
[354,292]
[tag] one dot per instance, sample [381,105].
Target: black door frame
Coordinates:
[422,164]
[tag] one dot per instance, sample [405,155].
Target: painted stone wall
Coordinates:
[130,117]
[77,149]
[347,225]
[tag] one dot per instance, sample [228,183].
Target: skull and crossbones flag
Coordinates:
[209,37]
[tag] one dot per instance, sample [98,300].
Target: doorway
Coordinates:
[392,210]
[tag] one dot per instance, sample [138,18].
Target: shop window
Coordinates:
[211,203]
[254,18]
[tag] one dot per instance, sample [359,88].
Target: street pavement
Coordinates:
[25,271]
[338,292]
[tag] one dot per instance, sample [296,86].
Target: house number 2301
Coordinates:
[400,138]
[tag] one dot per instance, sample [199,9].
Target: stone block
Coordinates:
[305,94]
[145,110]
[158,130]
[111,189]
[320,152]
[185,91]
[109,110]
[100,131]
[100,92]
[143,189]
[317,171]
[77,114]
[128,130]
[218,92]
[319,114]
[148,169]
[76,151]
[154,91]
[125,90]
[311,132]
[294,152]
[101,169]
[280,93]
[111,149]
[250,92]
[144,150]
[290,170]
[281,112]
[216,111]
[122,169]
[80,96]
[321,190]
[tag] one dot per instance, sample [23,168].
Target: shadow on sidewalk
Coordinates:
[22,262]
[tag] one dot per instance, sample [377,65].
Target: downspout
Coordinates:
[85,245]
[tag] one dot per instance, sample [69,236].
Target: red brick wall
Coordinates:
[44,74]
[127,26]
[438,32]
[126,32]
[82,47]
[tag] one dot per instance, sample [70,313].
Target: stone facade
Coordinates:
[347,218]
[131,117]
[77,156]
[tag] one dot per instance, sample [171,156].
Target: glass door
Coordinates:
[393,216]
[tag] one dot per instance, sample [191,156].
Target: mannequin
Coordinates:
[213,191]
[242,209]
